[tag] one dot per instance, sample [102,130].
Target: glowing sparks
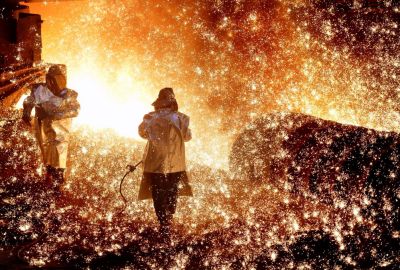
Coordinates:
[229,63]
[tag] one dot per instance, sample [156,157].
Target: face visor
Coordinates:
[57,83]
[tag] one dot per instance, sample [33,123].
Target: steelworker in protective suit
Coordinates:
[164,172]
[55,106]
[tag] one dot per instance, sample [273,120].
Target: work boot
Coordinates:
[165,234]
[58,181]
[49,176]
[54,179]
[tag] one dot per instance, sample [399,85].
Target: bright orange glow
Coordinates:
[105,110]
[116,87]
[306,184]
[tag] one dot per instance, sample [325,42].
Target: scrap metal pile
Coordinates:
[323,160]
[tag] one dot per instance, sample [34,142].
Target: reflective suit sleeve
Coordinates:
[67,108]
[144,126]
[187,133]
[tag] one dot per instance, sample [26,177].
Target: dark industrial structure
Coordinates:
[20,50]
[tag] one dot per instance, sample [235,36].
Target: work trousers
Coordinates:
[164,188]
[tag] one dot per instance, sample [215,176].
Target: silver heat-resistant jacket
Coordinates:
[52,122]
[166,131]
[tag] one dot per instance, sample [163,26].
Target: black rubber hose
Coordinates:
[130,169]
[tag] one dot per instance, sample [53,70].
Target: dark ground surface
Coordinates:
[264,229]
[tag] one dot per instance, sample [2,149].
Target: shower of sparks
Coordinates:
[229,62]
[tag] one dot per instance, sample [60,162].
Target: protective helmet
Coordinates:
[56,79]
[55,70]
[166,97]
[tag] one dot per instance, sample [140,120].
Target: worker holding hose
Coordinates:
[164,164]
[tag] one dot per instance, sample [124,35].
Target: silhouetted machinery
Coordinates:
[20,50]
[322,159]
